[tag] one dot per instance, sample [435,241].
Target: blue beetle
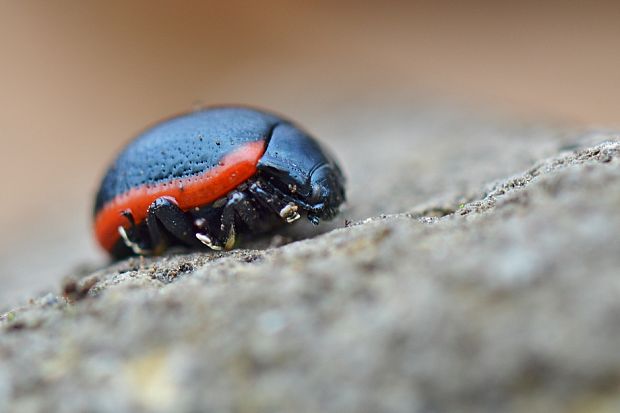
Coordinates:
[203,177]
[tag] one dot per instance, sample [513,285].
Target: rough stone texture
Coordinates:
[478,274]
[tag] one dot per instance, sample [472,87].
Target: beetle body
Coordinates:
[204,177]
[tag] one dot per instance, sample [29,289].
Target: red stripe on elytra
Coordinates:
[189,192]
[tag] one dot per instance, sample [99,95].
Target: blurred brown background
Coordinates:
[78,79]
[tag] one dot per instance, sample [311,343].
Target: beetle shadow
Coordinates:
[301,230]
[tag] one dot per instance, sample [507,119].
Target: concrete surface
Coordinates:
[477,271]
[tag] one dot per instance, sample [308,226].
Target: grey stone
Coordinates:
[478,273]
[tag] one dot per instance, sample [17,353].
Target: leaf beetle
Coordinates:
[204,177]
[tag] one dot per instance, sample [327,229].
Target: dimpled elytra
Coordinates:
[203,177]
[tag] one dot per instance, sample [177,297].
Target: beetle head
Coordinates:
[304,171]
[327,193]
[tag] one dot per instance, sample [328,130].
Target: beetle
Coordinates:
[203,177]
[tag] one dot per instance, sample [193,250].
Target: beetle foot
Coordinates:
[205,239]
[230,240]
[289,213]
[228,244]
[131,244]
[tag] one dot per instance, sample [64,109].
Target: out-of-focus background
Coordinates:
[78,79]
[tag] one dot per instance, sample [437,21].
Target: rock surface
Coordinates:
[478,273]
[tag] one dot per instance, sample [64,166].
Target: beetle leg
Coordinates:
[227,226]
[212,241]
[134,246]
[219,243]
[131,238]
[244,209]
[236,205]
[285,207]
[165,214]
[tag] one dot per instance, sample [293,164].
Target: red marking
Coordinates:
[190,192]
